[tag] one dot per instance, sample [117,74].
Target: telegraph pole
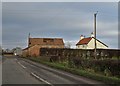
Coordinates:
[28,39]
[95,33]
[29,44]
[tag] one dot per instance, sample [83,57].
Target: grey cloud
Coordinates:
[67,20]
[0,23]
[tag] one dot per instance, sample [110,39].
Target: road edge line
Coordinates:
[36,76]
[21,65]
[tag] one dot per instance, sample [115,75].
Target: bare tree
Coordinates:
[68,45]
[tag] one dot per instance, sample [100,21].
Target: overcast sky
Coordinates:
[57,19]
[0,23]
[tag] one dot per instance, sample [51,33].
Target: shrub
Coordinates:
[107,66]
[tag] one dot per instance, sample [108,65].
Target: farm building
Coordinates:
[35,44]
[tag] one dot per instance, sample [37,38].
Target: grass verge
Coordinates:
[108,80]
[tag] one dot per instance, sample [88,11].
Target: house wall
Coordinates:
[91,45]
[81,47]
[35,50]
[25,53]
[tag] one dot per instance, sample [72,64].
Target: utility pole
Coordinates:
[95,33]
[28,39]
[29,44]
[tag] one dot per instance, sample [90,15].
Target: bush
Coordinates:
[108,67]
[113,81]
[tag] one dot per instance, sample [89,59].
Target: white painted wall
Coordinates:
[81,46]
[99,45]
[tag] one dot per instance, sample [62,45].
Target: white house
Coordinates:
[89,43]
[17,51]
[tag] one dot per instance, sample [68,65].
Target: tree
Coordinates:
[7,50]
[68,45]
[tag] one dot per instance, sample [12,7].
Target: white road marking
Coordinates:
[15,59]
[21,65]
[41,79]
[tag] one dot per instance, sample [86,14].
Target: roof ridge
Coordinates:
[47,38]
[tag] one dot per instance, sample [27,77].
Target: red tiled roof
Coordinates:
[46,41]
[84,41]
[87,40]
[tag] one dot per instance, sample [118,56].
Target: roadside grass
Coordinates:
[58,65]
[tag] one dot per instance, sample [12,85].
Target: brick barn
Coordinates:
[35,44]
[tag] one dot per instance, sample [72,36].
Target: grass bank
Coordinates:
[108,80]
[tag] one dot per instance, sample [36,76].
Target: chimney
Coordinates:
[81,37]
[92,34]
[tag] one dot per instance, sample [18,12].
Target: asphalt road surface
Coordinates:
[23,71]
[13,73]
[0,70]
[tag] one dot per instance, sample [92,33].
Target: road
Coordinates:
[0,70]
[23,71]
[13,73]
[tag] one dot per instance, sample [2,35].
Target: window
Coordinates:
[83,46]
